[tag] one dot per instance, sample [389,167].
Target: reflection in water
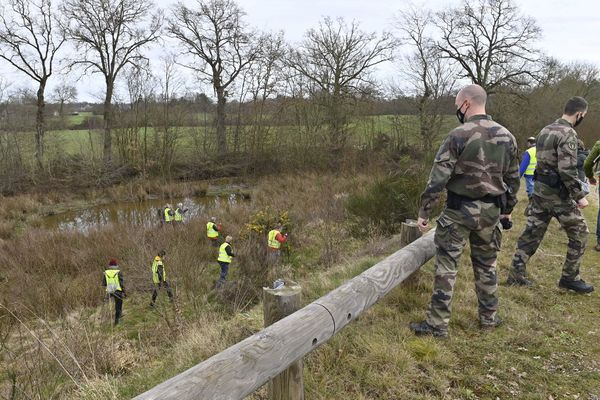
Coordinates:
[146,214]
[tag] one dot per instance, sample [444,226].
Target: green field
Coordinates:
[366,131]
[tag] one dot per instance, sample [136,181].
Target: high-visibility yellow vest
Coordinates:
[210,231]
[532,161]
[168,217]
[272,241]
[223,256]
[178,215]
[155,264]
[112,280]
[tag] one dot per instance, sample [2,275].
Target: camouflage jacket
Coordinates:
[557,152]
[478,158]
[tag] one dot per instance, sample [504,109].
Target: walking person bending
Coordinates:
[477,164]
[115,287]
[159,277]
[225,257]
[557,193]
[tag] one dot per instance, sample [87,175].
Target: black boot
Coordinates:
[423,328]
[577,286]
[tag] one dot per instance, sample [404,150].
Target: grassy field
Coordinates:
[547,348]
[190,141]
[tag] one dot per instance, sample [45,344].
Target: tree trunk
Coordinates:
[221,129]
[40,125]
[108,120]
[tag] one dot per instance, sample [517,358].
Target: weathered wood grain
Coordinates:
[278,304]
[241,369]
[409,232]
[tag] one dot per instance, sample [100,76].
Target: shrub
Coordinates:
[388,202]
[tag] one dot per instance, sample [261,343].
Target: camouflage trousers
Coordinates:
[450,240]
[540,212]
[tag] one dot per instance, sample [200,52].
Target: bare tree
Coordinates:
[262,80]
[337,58]
[215,34]
[64,93]
[141,85]
[29,42]
[430,78]
[170,83]
[491,41]
[109,34]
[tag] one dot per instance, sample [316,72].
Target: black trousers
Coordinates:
[118,297]
[157,286]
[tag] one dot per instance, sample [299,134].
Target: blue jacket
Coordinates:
[524,164]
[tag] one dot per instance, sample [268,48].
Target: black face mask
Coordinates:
[460,115]
[577,121]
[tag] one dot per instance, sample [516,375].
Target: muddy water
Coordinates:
[145,213]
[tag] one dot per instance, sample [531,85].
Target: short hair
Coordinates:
[475,93]
[162,253]
[228,239]
[575,104]
[531,140]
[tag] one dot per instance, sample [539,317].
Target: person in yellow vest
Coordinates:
[527,167]
[224,259]
[179,211]
[274,241]
[169,215]
[212,231]
[114,283]
[159,277]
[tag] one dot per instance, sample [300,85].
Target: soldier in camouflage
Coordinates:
[477,164]
[557,193]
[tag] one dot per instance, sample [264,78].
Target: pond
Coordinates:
[145,213]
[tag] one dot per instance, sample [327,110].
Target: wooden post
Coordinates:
[409,232]
[278,304]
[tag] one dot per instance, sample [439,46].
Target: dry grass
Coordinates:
[56,276]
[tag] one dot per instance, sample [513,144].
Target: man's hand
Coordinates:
[593,180]
[506,221]
[582,203]
[422,224]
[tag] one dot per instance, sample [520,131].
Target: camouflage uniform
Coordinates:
[478,160]
[556,152]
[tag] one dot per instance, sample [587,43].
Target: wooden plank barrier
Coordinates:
[244,367]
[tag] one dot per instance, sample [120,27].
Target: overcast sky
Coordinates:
[570,32]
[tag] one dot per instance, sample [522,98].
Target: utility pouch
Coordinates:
[552,179]
[453,201]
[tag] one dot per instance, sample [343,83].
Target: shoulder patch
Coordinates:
[572,145]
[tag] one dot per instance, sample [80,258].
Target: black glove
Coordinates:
[506,223]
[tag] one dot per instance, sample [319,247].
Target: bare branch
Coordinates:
[491,41]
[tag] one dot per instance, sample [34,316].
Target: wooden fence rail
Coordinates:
[244,367]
